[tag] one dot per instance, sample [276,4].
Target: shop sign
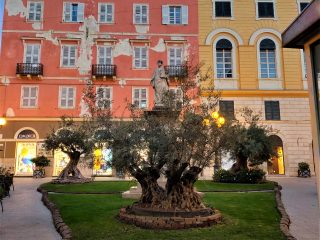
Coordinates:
[27,134]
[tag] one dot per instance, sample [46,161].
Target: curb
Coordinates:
[62,228]
[285,219]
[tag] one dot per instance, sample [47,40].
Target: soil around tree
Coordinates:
[166,219]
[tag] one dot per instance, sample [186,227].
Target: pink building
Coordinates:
[52,49]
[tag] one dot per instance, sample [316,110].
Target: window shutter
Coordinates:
[136,15]
[272,110]
[72,56]
[102,13]
[31,11]
[108,55]
[67,12]
[276,110]
[35,54]
[80,14]
[178,56]
[185,14]
[28,57]
[144,57]
[109,17]
[65,54]
[165,14]
[144,14]
[172,56]
[38,11]
[137,56]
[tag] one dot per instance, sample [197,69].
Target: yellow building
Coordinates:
[240,41]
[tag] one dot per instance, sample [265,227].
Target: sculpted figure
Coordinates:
[160,83]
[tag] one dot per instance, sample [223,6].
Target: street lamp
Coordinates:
[3,122]
[219,121]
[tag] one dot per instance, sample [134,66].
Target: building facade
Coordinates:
[240,42]
[51,50]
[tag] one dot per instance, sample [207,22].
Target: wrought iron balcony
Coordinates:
[104,70]
[33,69]
[177,71]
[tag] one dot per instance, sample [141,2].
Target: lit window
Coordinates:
[265,8]
[29,96]
[222,8]
[272,110]
[104,97]
[106,12]
[32,53]
[68,56]
[67,97]
[140,99]
[174,14]
[35,11]
[73,12]
[268,67]
[224,59]
[140,14]
[140,59]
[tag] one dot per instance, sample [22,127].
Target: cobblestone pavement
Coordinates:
[299,196]
[25,217]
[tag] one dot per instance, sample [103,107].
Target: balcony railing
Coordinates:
[33,69]
[177,71]
[104,70]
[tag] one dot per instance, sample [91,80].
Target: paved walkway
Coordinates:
[299,197]
[24,216]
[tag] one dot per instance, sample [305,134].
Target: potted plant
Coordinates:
[40,162]
[304,170]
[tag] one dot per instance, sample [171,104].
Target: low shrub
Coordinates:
[304,169]
[243,176]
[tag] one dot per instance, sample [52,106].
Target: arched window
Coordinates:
[268,66]
[224,59]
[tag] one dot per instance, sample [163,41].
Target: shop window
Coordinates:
[276,164]
[272,110]
[102,162]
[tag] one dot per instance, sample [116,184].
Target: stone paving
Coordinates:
[299,197]
[24,216]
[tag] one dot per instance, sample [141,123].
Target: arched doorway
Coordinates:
[276,164]
[26,149]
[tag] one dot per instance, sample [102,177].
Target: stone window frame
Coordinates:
[29,98]
[99,13]
[134,14]
[25,46]
[67,98]
[28,11]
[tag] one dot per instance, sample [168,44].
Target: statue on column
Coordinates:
[160,83]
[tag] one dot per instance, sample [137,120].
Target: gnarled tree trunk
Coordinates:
[180,194]
[71,170]
[240,164]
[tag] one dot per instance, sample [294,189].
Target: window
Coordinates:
[105,55]
[35,11]
[29,96]
[106,13]
[141,13]
[104,97]
[140,57]
[224,59]
[272,110]
[265,9]
[227,109]
[73,12]
[268,68]
[67,97]
[140,98]
[174,14]
[32,53]
[302,6]
[175,56]
[68,56]
[222,8]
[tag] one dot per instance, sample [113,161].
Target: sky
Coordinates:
[1,19]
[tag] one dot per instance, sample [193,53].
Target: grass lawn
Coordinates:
[120,186]
[93,187]
[246,216]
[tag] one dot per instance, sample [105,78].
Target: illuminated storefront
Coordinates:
[26,149]
[102,162]
[60,162]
